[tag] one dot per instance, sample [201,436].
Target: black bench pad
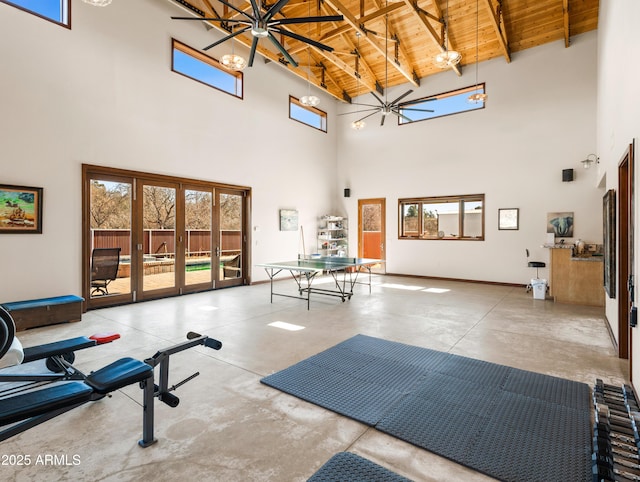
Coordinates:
[119,374]
[57,348]
[38,402]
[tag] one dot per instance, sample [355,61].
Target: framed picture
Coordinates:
[20,209]
[288,220]
[560,224]
[508,218]
[609,228]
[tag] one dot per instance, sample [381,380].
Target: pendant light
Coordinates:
[358,125]
[448,58]
[233,61]
[477,97]
[309,100]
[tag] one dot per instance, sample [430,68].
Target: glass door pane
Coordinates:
[197,245]
[231,236]
[372,231]
[109,238]
[158,237]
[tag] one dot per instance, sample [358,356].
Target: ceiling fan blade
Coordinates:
[401,97]
[241,12]
[223,20]
[367,116]
[420,101]
[282,49]
[417,110]
[366,105]
[403,117]
[274,9]
[327,18]
[360,111]
[382,120]
[306,40]
[377,98]
[224,39]
[252,54]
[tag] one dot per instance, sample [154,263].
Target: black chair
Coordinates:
[534,264]
[104,269]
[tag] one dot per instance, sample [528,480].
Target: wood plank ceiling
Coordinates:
[411,32]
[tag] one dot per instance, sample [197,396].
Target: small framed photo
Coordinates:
[508,219]
[20,209]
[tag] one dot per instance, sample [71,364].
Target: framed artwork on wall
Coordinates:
[508,219]
[20,209]
[288,220]
[560,224]
[609,229]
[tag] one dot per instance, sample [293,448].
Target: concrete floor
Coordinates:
[230,427]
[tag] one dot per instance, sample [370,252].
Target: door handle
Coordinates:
[217,251]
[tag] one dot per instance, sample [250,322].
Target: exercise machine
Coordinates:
[28,399]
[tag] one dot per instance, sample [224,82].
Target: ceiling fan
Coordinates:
[261,24]
[385,107]
[393,107]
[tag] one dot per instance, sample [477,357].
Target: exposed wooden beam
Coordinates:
[565,15]
[352,20]
[424,18]
[497,22]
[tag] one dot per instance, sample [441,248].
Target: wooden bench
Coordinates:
[45,311]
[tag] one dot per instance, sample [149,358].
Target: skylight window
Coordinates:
[197,66]
[55,10]
[307,115]
[447,103]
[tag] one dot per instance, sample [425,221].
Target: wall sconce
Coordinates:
[347,192]
[586,163]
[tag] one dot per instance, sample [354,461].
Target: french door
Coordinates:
[147,236]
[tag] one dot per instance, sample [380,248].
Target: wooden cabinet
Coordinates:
[576,280]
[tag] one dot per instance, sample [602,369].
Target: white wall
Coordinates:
[539,119]
[103,93]
[619,114]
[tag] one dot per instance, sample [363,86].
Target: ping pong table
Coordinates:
[343,270]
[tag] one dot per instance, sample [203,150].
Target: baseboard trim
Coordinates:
[462,280]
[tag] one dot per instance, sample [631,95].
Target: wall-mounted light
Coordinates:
[591,158]
[347,192]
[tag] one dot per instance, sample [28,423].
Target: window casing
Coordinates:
[307,115]
[442,217]
[56,11]
[189,62]
[447,103]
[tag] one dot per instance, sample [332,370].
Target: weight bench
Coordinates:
[29,403]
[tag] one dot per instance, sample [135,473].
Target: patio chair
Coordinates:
[231,267]
[104,269]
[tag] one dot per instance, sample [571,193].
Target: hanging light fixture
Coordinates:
[309,100]
[448,58]
[233,61]
[477,97]
[358,125]
[98,3]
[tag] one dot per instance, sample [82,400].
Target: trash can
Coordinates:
[539,288]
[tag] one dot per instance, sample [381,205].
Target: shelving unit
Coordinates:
[333,236]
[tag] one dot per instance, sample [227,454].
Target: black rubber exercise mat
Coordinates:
[349,467]
[511,424]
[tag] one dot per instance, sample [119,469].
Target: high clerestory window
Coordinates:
[55,10]
[447,103]
[191,63]
[307,115]
[442,217]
